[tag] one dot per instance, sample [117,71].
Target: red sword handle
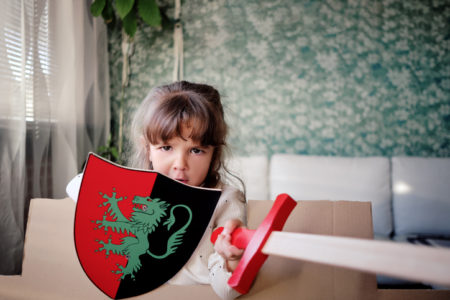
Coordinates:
[253,242]
[240,237]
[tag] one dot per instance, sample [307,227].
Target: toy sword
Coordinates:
[421,263]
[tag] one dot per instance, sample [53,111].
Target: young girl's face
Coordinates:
[182,159]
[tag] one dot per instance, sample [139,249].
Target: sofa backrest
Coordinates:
[254,172]
[336,178]
[421,195]
[409,195]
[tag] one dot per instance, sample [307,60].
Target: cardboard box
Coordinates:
[51,269]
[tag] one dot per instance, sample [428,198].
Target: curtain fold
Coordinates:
[54,107]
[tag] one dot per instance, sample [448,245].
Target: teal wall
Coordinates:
[349,78]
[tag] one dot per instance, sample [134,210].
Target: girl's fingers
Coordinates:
[225,249]
[223,244]
[235,253]
[231,225]
[232,254]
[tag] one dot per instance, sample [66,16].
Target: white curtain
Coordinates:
[54,106]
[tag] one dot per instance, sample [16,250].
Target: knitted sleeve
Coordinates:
[231,206]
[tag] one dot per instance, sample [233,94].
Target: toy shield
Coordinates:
[135,229]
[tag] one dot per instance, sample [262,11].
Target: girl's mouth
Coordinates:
[182,180]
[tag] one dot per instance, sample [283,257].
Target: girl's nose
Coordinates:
[180,162]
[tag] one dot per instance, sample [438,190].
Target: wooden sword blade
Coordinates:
[413,262]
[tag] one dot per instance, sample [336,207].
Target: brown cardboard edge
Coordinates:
[350,219]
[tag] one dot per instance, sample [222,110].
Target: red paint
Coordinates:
[95,264]
[240,237]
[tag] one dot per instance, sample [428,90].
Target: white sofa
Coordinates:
[410,196]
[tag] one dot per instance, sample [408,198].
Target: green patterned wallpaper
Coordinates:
[347,78]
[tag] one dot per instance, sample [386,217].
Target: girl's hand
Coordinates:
[230,253]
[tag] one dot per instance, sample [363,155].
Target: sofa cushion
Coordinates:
[336,178]
[421,195]
[254,172]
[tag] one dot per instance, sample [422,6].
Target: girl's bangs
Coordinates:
[169,124]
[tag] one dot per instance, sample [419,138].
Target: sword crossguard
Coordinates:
[253,241]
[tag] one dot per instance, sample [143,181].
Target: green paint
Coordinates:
[176,238]
[146,216]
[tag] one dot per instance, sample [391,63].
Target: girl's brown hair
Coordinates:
[168,108]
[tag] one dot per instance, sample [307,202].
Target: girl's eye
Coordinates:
[197,151]
[165,148]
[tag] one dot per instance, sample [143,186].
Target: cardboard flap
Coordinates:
[282,278]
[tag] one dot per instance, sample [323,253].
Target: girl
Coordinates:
[179,130]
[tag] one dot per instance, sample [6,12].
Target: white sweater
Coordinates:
[205,265]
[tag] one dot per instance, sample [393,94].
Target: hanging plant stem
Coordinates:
[131,14]
[127,52]
[120,137]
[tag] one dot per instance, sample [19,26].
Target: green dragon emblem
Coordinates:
[146,216]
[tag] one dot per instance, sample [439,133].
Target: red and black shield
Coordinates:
[135,229]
